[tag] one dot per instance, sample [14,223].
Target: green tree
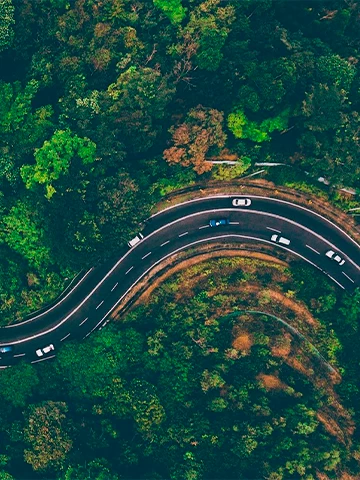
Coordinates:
[337,71]
[23,127]
[46,436]
[97,469]
[147,410]
[322,108]
[208,27]
[135,102]
[26,234]
[244,128]
[6,21]
[173,9]
[17,384]
[54,158]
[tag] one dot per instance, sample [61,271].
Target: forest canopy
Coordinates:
[104,106]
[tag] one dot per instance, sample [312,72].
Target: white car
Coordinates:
[134,241]
[277,239]
[40,352]
[334,256]
[241,202]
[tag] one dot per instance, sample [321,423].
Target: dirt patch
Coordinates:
[225,155]
[243,341]
[282,346]
[142,291]
[296,307]
[331,426]
[271,382]
[276,302]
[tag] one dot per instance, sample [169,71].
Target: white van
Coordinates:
[136,240]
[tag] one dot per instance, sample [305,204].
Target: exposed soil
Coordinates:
[271,382]
[243,341]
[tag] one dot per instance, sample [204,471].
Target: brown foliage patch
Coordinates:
[271,382]
[243,341]
[282,346]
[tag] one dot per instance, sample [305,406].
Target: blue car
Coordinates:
[6,349]
[218,222]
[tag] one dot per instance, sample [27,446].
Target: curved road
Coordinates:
[87,305]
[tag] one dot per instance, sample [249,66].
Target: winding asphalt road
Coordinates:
[87,305]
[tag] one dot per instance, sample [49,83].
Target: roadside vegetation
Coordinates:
[192,385]
[107,106]
[236,368]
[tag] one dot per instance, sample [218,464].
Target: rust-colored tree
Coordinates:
[201,133]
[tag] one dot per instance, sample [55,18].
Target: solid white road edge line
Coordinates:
[311,248]
[150,235]
[54,306]
[195,243]
[242,194]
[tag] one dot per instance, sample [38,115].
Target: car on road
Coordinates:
[241,202]
[219,221]
[278,239]
[134,241]
[7,349]
[41,351]
[334,256]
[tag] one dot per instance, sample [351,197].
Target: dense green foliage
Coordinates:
[105,106]
[168,393]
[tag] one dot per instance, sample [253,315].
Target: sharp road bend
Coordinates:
[87,304]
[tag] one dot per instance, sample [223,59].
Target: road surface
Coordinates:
[86,306]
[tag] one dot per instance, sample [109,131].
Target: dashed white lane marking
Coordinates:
[234,223]
[274,229]
[313,249]
[102,301]
[347,276]
[204,226]
[54,306]
[19,355]
[165,243]
[182,234]
[196,243]
[116,284]
[127,271]
[83,321]
[42,359]
[142,258]
[66,336]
